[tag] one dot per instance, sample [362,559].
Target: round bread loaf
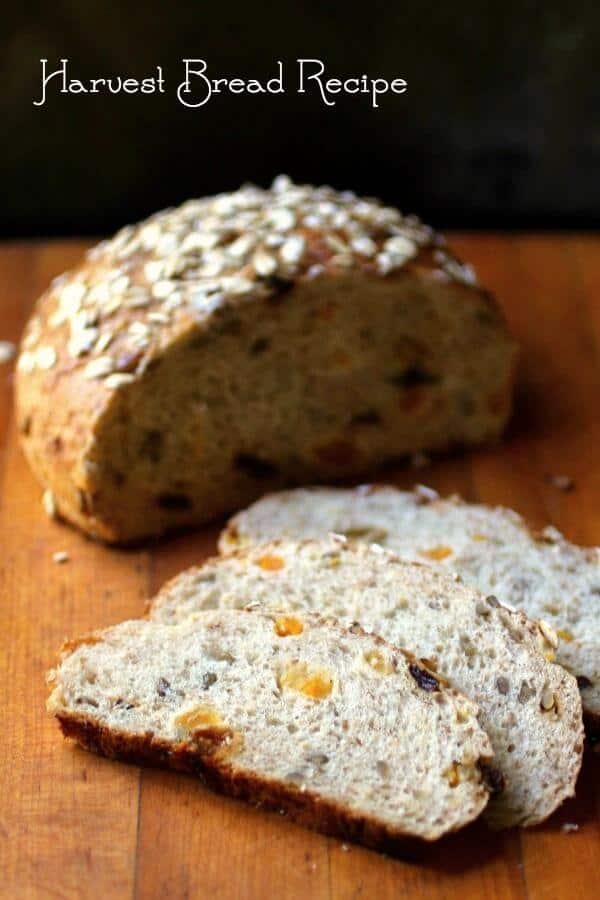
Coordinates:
[249,340]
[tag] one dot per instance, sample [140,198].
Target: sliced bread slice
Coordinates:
[530,708]
[492,548]
[344,732]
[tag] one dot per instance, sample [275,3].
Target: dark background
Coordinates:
[500,125]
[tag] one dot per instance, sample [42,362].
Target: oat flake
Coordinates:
[205,253]
[7,351]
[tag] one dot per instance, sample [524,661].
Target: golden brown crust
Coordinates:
[215,767]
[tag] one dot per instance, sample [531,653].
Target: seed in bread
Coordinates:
[299,721]
[249,340]
[491,547]
[530,708]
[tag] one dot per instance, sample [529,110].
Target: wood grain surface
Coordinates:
[76,826]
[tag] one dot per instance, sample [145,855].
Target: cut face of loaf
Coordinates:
[247,341]
[529,707]
[344,732]
[492,548]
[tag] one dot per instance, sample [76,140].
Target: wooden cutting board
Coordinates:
[74,825]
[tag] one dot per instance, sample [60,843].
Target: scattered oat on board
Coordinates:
[61,556]
[569,827]
[49,504]
[561,482]
[7,351]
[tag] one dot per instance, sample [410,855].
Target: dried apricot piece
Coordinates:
[286,626]
[198,718]
[565,635]
[437,553]
[271,563]
[314,683]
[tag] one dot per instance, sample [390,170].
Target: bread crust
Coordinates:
[217,773]
[63,413]
[211,753]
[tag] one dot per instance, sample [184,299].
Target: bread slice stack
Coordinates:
[529,707]
[367,696]
[492,548]
[339,729]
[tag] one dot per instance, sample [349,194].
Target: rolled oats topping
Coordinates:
[293,250]
[45,357]
[99,367]
[117,379]
[186,262]
[264,263]
[454,270]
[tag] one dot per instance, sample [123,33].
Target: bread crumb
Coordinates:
[345,848]
[568,827]
[560,482]
[377,548]
[49,504]
[551,535]
[61,556]
[425,494]
[7,351]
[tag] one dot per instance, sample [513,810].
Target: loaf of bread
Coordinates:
[335,727]
[492,548]
[250,340]
[529,707]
